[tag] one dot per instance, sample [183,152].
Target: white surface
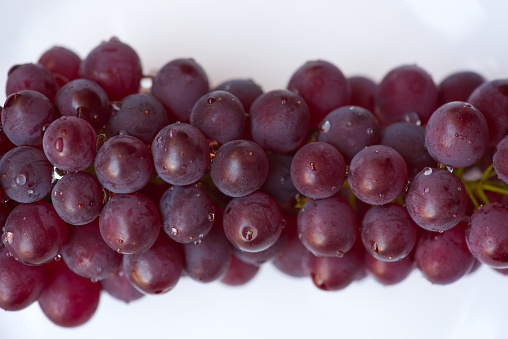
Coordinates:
[267,41]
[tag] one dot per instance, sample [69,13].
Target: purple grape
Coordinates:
[487,235]
[115,66]
[388,232]
[377,175]
[327,227]
[220,116]
[31,77]
[245,90]
[458,86]
[180,154]
[239,272]
[239,168]
[207,259]
[84,99]
[87,255]
[457,134]
[254,222]
[436,199]
[259,258]
[20,285]
[500,159]
[444,258]
[26,174]
[123,164]
[119,287]
[61,60]
[130,223]
[409,141]
[318,170]
[350,129]
[34,234]
[156,270]
[491,99]
[278,182]
[279,121]
[362,92]
[69,300]
[70,144]
[323,87]
[405,90]
[141,116]
[77,198]
[187,213]
[25,116]
[178,85]
[389,272]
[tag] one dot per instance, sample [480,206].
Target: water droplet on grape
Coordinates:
[370,130]
[339,254]
[211,100]
[426,190]
[58,257]
[173,231]
[119,250]
[325,127]
[173,132]
[8,254]
[248,233]
[374,246]
[412,118]
[30,192]
[349,124]
[120,241]
[81,205]
[197,242]
[99,269]
[312,166]
[351,108]
[45,127]
[159,140]
[94,280]
[449,169]
[7,238]
[211,216]
[283,101]
[59,145]
[459,189]
[20,179]
[427,171]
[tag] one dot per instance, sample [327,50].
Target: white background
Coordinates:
[267,41]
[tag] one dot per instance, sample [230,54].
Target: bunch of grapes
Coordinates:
[110,186]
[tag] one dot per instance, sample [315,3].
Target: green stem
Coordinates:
[486,174]
[471,195]
[489,187]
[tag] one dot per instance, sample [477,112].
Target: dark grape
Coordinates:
[20,285]
[25,116]
[156,270]
[487,235]
[115,66]
[69,300]
[259,258]
[180,154]
[388,232]
[436,199]
[254,222]
[245,90]
[318,170]
[123,164]
[377,175]
[32,77]
[119,287]
[456,134]
[130,223]
[239,168]
[87,255]
[278,183]
[34,234]
[444,258]
[26,174]
[327,227]
[84,99]
[178,85]
[405,90]
[491,99]
[77,198]
[362,92]
[141,116]
[409,141]
[459,86]
[208,258]
[220,116]
[389,272]
[279,121]
[187,213]
[239,272]
[61,60]
[70,144]
[500,159]
[323,87]
[350,129]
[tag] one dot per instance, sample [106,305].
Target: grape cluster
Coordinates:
[106,186]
